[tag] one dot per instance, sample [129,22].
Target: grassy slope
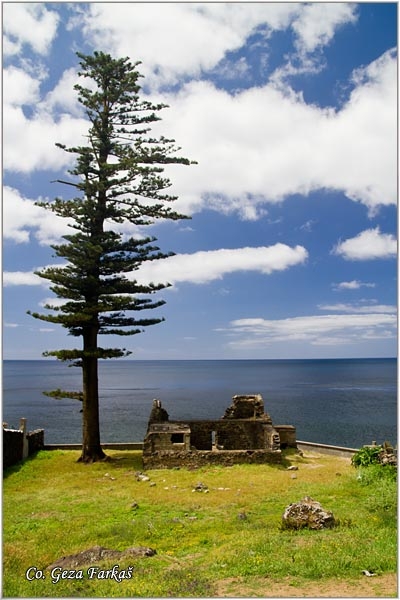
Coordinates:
[53,506]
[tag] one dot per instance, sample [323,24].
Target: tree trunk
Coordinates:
[91,448]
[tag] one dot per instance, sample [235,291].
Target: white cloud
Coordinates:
[261,145]
[360,309]
[203,267]
[11,278]
[29,138]
[258,146]
[317,23]
[314,27]
[21,219]
[63,97]
[308,225]
[202,32]
[18,214]
[229,70]
[28,23]
[332,330]
[363,136]
[52,301]
[351,285]
[29,143]
[199,268]
[251,148]
[19,87]
[368,245]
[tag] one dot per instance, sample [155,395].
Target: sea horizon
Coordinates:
[342,402]
[52,359]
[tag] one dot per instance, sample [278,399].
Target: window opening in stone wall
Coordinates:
[177,438]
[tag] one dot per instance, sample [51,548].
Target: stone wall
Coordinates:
[166,459]
[287,435]
[18,444]
[35,441]
[245,433]
[13,442]
[231,434]
[167,436]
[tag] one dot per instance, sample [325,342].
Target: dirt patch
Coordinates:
[381,586]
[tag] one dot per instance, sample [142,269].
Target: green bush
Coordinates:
[367,455]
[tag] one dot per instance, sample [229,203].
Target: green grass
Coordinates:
[54,506]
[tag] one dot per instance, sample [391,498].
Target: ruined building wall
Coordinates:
[244,434]
[287,435]
[237,434]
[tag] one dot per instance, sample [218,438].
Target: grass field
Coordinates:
[228,541]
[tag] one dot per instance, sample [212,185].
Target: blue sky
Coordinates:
[290,110]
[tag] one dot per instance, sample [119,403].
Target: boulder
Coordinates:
[307,513]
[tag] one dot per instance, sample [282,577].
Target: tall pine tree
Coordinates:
[118,177]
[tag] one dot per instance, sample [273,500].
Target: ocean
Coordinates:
[340,402]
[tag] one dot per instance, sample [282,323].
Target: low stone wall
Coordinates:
[13,443]
[18,444]
[35,441]
[164,459]
[326,449]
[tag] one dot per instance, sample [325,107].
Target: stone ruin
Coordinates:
[245,434]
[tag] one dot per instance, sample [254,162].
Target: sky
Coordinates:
[289,109]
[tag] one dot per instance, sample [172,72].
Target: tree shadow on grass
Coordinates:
[291,456]
[122,459]
[8,471]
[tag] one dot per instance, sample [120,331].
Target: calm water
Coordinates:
[341,402]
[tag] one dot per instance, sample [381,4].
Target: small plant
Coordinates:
[377,473]
[381,480]
[367,455]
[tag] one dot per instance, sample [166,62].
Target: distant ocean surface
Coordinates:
[340,402]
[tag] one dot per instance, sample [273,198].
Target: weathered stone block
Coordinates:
[307,513]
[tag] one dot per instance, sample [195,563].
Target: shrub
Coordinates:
[367,455]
